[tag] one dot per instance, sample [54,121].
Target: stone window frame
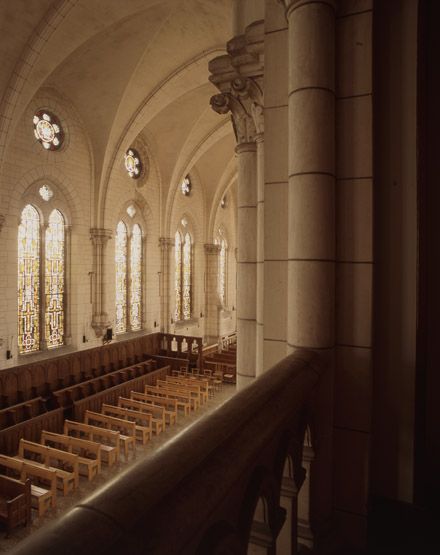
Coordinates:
[44,208]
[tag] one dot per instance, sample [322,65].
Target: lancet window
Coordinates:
[128,263]
[41,281]
[183,276]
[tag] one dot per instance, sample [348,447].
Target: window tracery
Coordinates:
[183,276]
[128,263]
[48,130]
[133,163]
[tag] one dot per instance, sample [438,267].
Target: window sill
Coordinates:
[186,323]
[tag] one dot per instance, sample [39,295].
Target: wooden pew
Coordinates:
[48,457]
[126,428]
[21,411]
[182,391]
[170,416]
[108,439]
[144,429]
[182,401]
[166,402]
[15,502]
[200,388]
[88,452]
[157,413]
[43,481]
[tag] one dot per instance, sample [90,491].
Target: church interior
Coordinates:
[219,276]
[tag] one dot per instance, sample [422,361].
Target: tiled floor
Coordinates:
[86,488]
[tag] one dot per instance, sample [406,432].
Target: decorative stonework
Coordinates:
[48,130]
[133,163]
[45,192]
[212,248]
[239,77]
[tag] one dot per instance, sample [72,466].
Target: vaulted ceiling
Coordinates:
[128,67]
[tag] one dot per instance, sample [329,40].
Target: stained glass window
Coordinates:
[186,278]
[136,278]
[222,272]
[54,280]
[178,275]
[29,280]
[121,278]
[133,163]
[48,130]
[45,192]
[186,186]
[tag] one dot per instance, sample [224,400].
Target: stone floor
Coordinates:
[86,488]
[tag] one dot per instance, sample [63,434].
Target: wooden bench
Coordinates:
[126,428]
[88,452]
[67,480]
[144,429]
[170,416]
[199,388]
[15,502]
[157,413]
[43,481]
[185,393]
[167,403]
[182,401]
[108,439]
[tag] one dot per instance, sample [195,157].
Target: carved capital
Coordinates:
[100,236]
[212,248]
[100,323]
[166,243]
[2,221]
[291,5]
[243,123]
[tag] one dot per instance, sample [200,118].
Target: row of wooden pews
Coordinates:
[104,431]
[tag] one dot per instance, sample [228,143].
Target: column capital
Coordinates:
[2,221]
[100,236]
[166,243]
[212,248]
[291,5]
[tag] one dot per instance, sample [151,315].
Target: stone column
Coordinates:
[311,230]
[212,300]
[311,233]
[260,251]
[239,77]
[100,319]
[246,263]
[166,245]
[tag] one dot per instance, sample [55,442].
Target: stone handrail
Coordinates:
[201,492]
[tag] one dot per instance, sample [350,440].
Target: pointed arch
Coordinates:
[29,280]
[54,271]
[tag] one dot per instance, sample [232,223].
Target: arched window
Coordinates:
[41,280]
[128,262]
[29,281]
[222,265]
[183,276]
[136,278]
[121,278]
[54,280]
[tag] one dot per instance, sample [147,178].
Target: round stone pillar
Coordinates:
[259,139]
[311,241]
[246,263]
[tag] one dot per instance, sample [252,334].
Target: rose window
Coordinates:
[47,130]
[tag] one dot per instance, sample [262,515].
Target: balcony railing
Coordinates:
[227,484]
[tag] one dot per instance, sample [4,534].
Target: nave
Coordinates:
[187,394]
